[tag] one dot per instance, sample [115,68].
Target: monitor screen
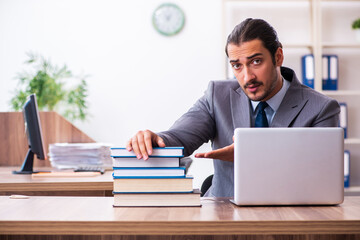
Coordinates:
[34,135]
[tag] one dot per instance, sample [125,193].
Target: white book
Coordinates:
[157,199]
[149,172]
[157,152]
[153,184]
[151,162]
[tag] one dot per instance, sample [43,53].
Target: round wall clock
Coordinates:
[168,19]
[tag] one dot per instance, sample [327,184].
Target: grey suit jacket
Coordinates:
[225,107]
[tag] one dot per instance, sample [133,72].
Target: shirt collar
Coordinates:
[276,100]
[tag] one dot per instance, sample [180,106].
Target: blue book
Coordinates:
[343,118]
[346,168]
[146,177]
[308,71]
[330,72]
[119,152]
[149,172]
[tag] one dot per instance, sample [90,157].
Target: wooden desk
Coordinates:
[101,185]
[95,218]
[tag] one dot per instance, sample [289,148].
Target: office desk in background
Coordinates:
[95,218]
[101,185]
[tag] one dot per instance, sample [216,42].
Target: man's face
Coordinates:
[254,69]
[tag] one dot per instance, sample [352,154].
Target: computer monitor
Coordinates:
[34,136]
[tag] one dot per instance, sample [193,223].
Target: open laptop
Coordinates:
[288,166]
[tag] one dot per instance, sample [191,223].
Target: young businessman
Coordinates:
[256,56]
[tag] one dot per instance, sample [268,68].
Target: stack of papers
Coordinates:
[74,155]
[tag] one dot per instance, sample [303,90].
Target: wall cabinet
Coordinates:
[317,27]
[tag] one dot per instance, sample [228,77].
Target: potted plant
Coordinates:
[48,83]
[356,26]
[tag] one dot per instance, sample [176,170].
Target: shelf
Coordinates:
[297,45]
[340,45]
[352,140]
[342,93]
[324,28]
[352,191]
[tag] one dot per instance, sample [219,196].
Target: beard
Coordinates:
[267,93]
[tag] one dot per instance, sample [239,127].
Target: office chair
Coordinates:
[206,184]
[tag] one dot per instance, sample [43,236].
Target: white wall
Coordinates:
[138,78]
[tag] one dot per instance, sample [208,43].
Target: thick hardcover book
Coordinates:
[143,185]
[158,199]
[143,172]
[157,152]
[151,162]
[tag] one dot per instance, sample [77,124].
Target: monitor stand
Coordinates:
[27,166]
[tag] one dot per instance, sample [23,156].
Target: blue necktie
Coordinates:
[261,120]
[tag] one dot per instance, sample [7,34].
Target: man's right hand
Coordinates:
[142,143]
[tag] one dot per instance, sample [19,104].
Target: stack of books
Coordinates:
[158,181]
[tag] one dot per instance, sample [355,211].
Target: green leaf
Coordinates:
[48,82]
[356,24]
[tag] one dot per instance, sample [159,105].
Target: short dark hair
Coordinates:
[251,29]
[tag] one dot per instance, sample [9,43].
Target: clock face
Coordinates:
[168,19]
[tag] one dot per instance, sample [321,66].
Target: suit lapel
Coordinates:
[289,109]
[290,106]
[240,110]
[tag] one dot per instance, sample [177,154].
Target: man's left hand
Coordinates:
[225,154]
